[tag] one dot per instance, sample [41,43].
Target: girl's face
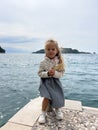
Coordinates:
[51,50]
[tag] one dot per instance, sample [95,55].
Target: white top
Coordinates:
[45,66]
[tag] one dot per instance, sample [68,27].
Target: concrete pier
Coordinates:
[76,117]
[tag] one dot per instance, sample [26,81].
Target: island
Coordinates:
[2,50]
[65,50]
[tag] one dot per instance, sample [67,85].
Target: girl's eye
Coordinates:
[51,49]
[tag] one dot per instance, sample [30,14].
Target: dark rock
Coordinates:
[2,50]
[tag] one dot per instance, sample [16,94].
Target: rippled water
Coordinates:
[19,81]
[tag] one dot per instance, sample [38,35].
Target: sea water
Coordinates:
[19,81]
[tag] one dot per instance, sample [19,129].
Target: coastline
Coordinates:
[76,117]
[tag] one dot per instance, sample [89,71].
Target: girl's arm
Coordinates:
[46,74]
[42,72]
[58,74]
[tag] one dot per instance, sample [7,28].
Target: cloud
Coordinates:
[22,47]
[67,21]
[18,39]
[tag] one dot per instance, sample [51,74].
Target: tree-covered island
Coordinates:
[65,50]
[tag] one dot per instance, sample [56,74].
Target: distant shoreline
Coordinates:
[66,50]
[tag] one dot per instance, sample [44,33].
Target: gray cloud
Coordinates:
[18,39]
[68,21]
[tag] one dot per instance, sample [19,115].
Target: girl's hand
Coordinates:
[51,72]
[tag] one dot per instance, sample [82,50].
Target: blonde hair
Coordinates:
[61,61]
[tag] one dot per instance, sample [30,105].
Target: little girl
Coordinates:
[50,70]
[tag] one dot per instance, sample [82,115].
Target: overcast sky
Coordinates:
[25,25]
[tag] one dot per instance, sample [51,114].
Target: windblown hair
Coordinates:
[61,61]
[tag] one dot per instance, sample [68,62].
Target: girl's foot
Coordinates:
[59,114]
[42,118]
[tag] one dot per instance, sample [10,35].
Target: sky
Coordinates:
[25,25]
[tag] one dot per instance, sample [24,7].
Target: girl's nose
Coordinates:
[50,50]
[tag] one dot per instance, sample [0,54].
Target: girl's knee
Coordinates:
[46,100]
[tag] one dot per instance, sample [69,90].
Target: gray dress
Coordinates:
[51,87]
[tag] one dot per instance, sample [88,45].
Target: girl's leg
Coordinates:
[44,109]
[45,104]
